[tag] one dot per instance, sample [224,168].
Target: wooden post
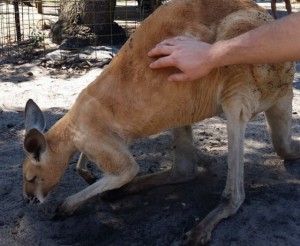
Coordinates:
[39,6]
[17,19]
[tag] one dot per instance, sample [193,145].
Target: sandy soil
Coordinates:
[160,216]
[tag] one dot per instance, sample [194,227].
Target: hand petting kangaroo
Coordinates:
[129,101]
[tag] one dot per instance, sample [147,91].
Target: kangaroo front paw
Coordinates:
[197,237]
[62,212]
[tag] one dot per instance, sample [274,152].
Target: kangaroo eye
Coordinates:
[31,180]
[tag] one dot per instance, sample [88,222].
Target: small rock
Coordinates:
[10,126]
[20,213]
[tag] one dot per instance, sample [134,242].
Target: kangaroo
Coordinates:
[129,101]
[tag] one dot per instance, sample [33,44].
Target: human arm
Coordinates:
[278,41]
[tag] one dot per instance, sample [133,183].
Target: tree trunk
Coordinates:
[86,22]
[99,15]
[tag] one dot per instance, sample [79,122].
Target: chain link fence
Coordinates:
[57,31]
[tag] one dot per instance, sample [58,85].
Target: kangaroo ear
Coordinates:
[34,117]
[35,144]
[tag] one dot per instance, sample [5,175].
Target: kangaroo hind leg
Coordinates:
[279,119]
[233,194]
[184,166]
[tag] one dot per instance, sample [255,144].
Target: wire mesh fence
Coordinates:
[56,30]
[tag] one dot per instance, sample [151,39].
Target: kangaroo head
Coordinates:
[40,176]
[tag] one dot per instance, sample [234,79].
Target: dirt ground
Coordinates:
[269,216]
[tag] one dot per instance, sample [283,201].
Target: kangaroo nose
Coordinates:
[31,200]
[35,200]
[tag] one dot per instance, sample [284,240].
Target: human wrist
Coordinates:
[230,52]
[218,54]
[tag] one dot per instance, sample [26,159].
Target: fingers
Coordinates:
[170,53]
[162,62]
[166,47]
[168,62]
[178,77]
[165,50]
[161,50]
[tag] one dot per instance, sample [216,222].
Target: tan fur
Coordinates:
[129,100]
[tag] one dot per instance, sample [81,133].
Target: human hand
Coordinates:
[189,55]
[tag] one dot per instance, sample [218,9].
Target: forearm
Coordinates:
[275,42]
